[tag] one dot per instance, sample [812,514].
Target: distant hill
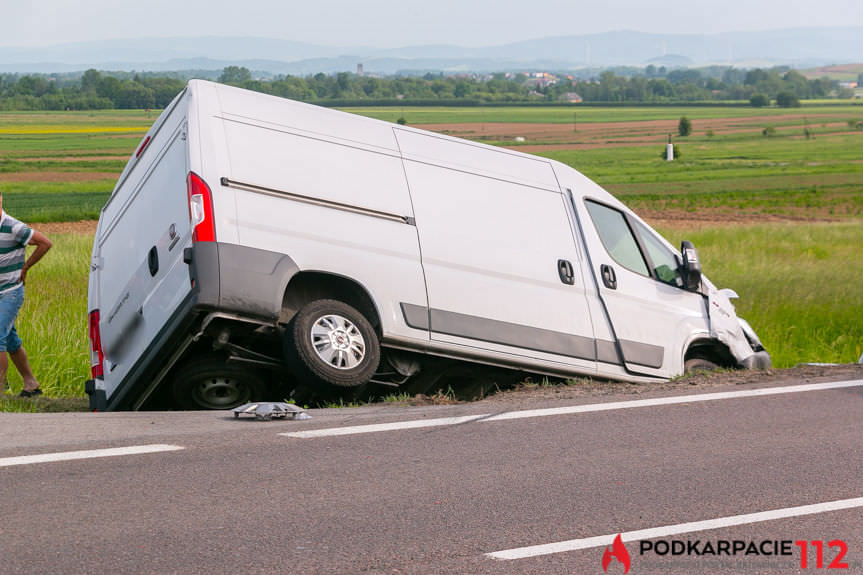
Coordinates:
[671,61]
[843,73]
[800,48]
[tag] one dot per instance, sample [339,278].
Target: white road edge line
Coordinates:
[604,540]
[414,424]
[87,454]
[589,408]
[675,400]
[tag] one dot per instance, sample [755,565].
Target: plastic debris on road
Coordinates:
[267,410]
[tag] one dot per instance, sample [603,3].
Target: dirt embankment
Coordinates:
[773,377]
[546,137]
[80,227]
[57,176]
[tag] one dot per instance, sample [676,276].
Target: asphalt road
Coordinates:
[238,496]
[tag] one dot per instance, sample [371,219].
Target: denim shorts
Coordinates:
[10,302]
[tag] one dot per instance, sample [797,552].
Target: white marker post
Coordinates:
[669,150]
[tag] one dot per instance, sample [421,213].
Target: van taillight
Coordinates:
[142,146]
[97,358]
[200,209]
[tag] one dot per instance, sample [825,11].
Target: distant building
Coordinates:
[542,79]
[359,69]
[849,85]
[572,98]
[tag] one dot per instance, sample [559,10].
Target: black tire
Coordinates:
[330,342]
[209,382]
[694,364]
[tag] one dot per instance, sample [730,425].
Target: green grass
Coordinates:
[13,404]
[35,202]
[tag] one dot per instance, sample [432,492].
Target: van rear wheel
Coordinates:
[331,342]
[211,382]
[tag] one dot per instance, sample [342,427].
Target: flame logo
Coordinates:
[619,552]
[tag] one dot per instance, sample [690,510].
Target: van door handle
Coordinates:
[564,270]
[609,278]
[153,260]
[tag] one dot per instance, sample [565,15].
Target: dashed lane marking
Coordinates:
[87,454]
[374,428]
[665,531]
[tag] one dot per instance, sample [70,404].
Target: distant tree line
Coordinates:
[102,90]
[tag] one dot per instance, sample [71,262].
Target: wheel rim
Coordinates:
[221,393]
[338,342]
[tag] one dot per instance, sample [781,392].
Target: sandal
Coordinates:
[30,393]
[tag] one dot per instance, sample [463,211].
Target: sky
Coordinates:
[398,23]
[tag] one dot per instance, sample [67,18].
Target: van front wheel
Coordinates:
[694,364]
[331,342]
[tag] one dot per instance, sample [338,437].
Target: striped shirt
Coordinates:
[14,236]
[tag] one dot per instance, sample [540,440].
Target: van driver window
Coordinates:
[617,238]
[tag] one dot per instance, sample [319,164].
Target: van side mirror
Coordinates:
[690,270]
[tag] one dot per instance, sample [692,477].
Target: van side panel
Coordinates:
[331,206]
[304,119]
[317,168]
[477,159]
[491,251]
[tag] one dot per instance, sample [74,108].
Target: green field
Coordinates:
[62,166]
[779,219]
[593,114]
[821,178]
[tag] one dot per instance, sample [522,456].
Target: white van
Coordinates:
[252,239]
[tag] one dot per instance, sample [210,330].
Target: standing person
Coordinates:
[14,264]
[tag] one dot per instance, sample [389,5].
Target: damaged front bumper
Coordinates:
[759,359]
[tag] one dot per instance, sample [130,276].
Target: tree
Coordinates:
[609,87]
[462,89]
[759,100]
[133,95]
[661,88]
[235,75]
[787,100]
[90,80]
[756,76]
[684,126]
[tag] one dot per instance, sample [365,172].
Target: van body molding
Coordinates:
[227,182]
[526,337]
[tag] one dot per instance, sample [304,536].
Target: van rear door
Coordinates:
[140,275]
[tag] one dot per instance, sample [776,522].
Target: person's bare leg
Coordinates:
[22,364]
[4,365]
